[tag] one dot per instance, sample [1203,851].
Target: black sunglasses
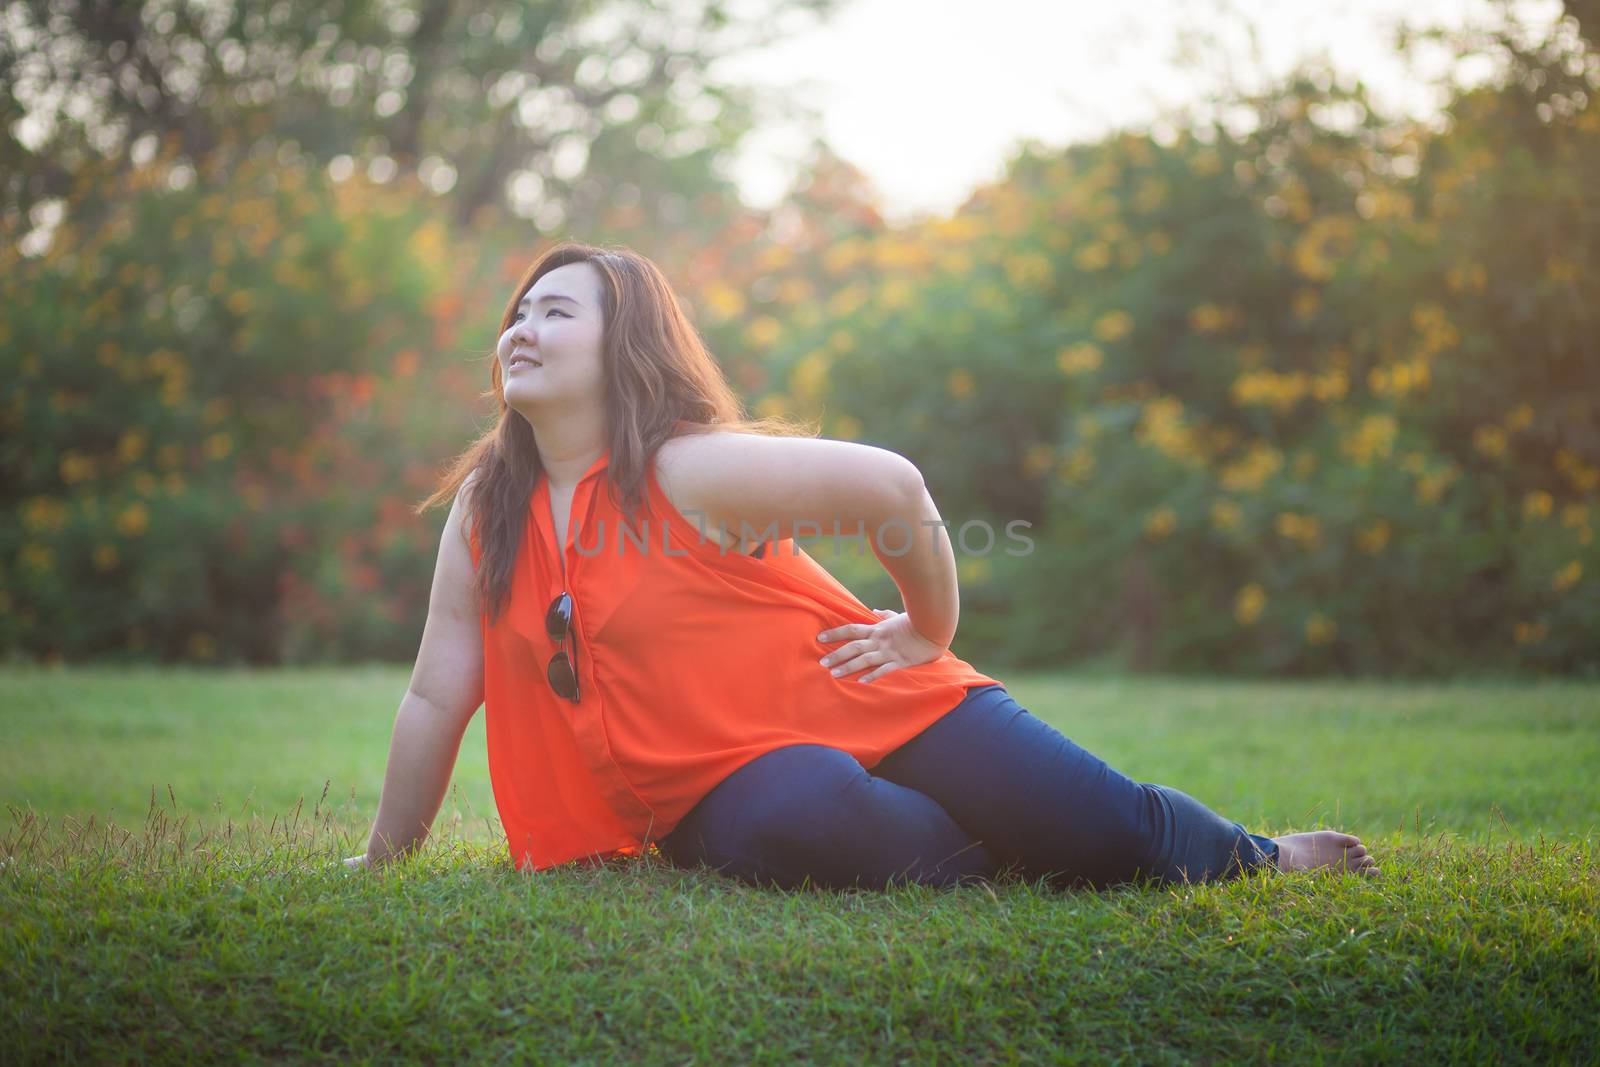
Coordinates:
[562,674]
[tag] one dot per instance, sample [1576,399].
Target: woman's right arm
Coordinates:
[445,691]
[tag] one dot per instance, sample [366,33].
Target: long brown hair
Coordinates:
[660,382]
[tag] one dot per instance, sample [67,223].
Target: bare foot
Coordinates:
[1325,849]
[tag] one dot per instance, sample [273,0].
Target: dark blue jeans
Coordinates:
[985,789]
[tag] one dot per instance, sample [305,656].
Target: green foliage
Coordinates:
[1314,397]
[210,382]
[553,108]
[1309,393]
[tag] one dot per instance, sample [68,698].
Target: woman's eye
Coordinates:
[554,311]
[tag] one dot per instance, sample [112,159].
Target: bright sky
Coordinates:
[930,97]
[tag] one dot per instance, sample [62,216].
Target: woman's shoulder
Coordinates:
[677,464]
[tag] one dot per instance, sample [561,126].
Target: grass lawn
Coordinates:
[170,887]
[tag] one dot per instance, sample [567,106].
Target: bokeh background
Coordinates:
[1286,378]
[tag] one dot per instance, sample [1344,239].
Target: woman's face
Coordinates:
[550,357]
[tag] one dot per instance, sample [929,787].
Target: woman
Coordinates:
[661,665]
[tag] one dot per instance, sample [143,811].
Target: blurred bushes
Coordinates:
[1313,396]
[1317,397]
[219,398]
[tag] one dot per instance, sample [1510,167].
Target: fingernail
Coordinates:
[836,671]
[822,637]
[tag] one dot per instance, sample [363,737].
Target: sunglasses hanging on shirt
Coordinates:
[562,673]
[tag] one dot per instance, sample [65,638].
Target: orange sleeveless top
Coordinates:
[692,660]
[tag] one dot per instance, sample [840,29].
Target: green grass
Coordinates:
[215,922]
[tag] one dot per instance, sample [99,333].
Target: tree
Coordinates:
[489,103]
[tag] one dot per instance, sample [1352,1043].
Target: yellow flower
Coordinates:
[1302,528]
[973,570]
[1537,505]
[1320,629]
[1466,276]
[1574,515]
[763,331]
[105,557]
[1209,318]
[240,301]
[1027,269]
[847,300]
[76,467]
[134,519]
[1304,304]
[772,405]
[1567,577]
[1075,466]
[37,557]
[794,290]
[774,257]
[808,379]
[992,298]
[1528,632]
[1079,358]
[846,427]
[1583,477]
[1490,440]
[1519,418]
[1038,459]
[960,383]
[723,301]
[1160,523]
[1434,326]
[1322,244]
[1250,471]
[1562,270]
[1225,514]
[842,256]
[1268,388]
[130,446]
[1162,427]
[1113,326]
[1431,486]
[1330,386]
[1092,257]
[43,514]
[1373,537]
[897,293]
[1248,603]
[217,446]
[1372,439]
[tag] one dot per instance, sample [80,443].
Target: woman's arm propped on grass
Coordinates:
[446,690]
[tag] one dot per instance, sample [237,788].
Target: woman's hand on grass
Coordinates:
[884,646]
[357,861]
